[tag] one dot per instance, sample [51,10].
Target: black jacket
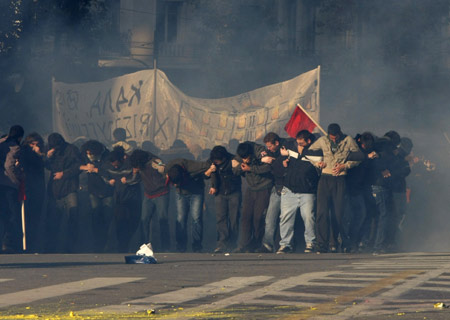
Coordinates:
[154,181]
[96,184]
[301,176]
[67,159]
[224,180]
[193,182]
[124,193]
[260,176]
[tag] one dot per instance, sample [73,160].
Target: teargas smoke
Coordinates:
[385,66]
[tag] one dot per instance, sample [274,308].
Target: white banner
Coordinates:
[94,110]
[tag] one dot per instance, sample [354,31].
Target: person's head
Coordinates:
[175,174]
[55,141]
[120,134]
[232,145]
[394,137]
[117,157]
[366,141]
[305,138]
[139,159]
[149,146]
[405,147]
[218,155]
[178,143]
[16,133]
[33,139]
[245,151]
[334,132]
[93,149]
[272,141]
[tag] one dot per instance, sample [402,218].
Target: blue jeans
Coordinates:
[272,215]
[160,206]
[383,200]
[290,202]
[193,204]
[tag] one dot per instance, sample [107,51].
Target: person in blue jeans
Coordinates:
[156,196]
[299,192]
[187,177]
[272,156]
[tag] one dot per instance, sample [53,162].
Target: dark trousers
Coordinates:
[102,216]
[125,223]
[330,210]
[255,204]
[10,218]
[227,219]
[62,224]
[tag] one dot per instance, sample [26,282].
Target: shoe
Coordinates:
[309,248]
[333,249]
[265,248]
[378,252]
[219,250]
[284,249]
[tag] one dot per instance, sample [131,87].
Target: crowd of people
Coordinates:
[351,193]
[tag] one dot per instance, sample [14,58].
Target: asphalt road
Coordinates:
[236,286]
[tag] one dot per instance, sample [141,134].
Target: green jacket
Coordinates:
[344,147]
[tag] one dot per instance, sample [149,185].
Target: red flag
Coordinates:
[299,121]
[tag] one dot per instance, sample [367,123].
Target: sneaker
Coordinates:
[219,250]
[333,249]
[309,248]
[284,249]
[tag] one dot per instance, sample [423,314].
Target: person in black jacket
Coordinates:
[10,180]
[95,155]
[273,156]
[226,187]
[400,170]
[380,175]
[256,198]
[32,159]
[63,161]
[187,177]
[156,196]
[299,192]
[119,174]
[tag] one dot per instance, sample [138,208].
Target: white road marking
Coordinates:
[185,294]
[27,296]
[4,280]
[378,303]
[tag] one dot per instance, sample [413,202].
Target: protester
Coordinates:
[63,161]
[226,187]
[299,192]
[10,179]
[32,160]
[331,192]
[187,177]
[95,156]
[120,140]
[400,170]
[156,196]
[273,156]
[256,198]
[127,199]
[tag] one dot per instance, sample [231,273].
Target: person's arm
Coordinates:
[357,153]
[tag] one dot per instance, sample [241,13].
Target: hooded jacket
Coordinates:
[67,159]
[260,175]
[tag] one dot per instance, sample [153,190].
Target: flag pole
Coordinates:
[315,122]
[24,238]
